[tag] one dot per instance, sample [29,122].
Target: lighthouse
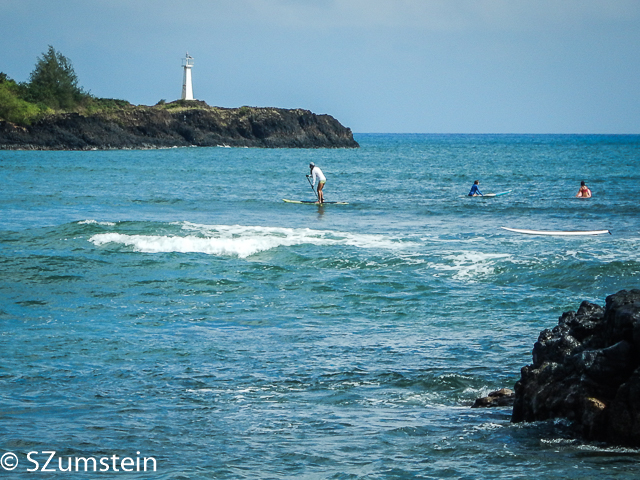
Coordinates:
[187,86]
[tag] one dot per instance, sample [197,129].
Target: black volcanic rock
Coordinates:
[499,398]
[587,370]
[182,123]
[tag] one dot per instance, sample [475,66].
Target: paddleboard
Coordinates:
[312,202]
[558,232]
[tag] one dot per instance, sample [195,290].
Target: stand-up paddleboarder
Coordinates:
[316,173]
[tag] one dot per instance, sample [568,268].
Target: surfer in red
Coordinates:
[584,191]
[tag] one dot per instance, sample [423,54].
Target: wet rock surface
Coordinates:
[587,370]
[500,398]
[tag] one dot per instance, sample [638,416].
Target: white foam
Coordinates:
[242,241]
[95,222]
[471,264]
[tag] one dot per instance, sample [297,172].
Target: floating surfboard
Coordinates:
[312,202]
[496,194]
[487,195]
[558,232]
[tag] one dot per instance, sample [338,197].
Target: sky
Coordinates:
[378,66]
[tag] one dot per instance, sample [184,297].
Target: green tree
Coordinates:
[12,107]
[54,83]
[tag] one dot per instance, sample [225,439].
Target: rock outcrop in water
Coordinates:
[499,398]
[587,370]
[179,124]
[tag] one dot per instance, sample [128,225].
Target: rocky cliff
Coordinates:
[182,123]
[587,370]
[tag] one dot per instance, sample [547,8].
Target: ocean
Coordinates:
[165,310]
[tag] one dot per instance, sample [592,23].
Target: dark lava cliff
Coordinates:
[179,124]
[587,370]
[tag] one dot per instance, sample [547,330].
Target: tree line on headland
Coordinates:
[52,88]
[52,112]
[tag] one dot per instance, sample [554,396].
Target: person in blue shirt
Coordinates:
[475,190]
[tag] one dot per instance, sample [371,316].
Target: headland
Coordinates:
[182,123]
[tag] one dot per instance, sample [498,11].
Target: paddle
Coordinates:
[311,185]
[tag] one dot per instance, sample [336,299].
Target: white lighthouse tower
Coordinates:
[187,86]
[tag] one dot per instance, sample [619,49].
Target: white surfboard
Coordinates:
[496,194]
[557,232]
[487,195]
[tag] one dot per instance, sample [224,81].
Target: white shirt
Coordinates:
[317,172]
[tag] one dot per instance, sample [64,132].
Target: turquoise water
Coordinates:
[168,302]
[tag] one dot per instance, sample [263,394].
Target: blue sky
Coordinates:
[433,66]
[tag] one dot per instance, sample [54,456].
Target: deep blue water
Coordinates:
[168,302]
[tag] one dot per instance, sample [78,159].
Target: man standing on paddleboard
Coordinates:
[317,173]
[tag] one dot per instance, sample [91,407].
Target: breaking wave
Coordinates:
[241,241]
